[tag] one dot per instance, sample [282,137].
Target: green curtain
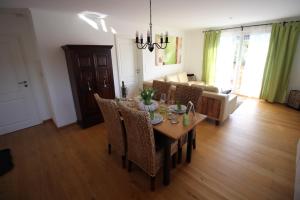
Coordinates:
[211,42]
[279,61]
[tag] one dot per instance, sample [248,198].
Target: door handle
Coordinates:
[23,83]
[89,86]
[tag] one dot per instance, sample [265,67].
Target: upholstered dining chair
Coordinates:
[143,150]
[183,95]
[116,134]
[161,87]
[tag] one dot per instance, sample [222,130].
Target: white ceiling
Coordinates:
[182,14]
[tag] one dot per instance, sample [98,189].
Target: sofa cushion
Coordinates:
[147,84]
[207,88]
[196,83]
[178,83]
[172,78]
[183,77]
[226,91]
[211,88]
[160,79]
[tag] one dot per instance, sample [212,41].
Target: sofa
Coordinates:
[214,104]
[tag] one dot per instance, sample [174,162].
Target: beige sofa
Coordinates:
[179,78]
[215,105]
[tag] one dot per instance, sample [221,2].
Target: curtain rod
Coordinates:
[246,26]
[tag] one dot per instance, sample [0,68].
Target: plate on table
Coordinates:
[157,119]
[173,108]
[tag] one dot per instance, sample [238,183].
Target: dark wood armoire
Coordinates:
[90,71]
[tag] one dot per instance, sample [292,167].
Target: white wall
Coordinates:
[295,72]
[54,29]
[18,22]
[194,42]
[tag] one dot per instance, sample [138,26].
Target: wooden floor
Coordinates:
[251,156]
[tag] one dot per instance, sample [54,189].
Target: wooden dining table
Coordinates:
[173,132]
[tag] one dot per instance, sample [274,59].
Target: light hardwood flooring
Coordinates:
[250,156]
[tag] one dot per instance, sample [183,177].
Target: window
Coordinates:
[241,60]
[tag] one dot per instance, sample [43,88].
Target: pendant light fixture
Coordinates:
[140,41]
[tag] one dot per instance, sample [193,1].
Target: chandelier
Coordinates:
[140,41]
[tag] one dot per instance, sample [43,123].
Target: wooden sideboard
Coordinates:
[210,107]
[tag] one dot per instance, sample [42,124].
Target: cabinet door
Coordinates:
[85,75]
[213,106]
[104,75]
[210,107]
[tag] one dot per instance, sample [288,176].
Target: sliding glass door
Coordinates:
[241,60]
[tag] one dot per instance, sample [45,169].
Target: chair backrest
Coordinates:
[184,94]
[161,87]
[115,130]
[140,138]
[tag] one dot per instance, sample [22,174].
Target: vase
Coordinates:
[151,107]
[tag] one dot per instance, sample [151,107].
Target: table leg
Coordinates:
[189,146]
[167,160]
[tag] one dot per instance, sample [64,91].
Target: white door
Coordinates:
[17,109]
[129,70]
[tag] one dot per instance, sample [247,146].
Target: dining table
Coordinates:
[173,132]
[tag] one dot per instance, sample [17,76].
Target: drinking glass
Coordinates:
[174,119]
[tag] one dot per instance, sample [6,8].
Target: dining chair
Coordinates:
[183,95]
[143,150]
[161,87]
[116,134]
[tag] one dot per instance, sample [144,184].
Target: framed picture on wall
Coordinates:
[170,55]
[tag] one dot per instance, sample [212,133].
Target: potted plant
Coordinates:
[147,95]
[146,102]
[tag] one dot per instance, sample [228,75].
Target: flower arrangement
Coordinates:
[147,95]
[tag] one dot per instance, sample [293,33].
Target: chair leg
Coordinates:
[217,122]
[174,161]
[152,183]
[109,148]
[124,161]
[179,155]
[129,165]
[194,143]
